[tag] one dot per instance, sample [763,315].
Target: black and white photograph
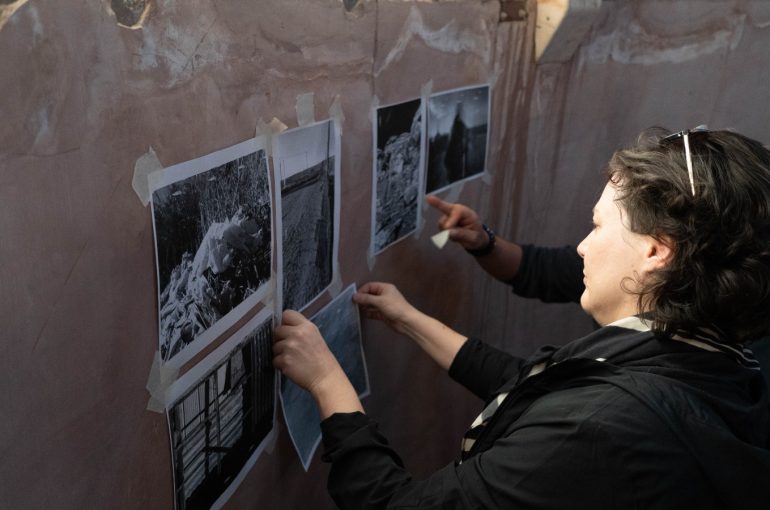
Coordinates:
[458,125]
[397,172]
[220,416]
[340,326]
[306,164]
[213,242]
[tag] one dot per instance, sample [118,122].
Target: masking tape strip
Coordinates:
[277,126]
[268,130]
[305,107]
[495,76]
[160,378]
[156,406]
[144,166]
[269,300]
[262,128]
[440,239]
[426,90]
[336,113]
[153,180]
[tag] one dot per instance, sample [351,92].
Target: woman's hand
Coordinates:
[383,301]
[462,222]
[301,353]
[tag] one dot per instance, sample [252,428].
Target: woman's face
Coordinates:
[614,260]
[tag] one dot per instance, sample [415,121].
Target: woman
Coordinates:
[661,407]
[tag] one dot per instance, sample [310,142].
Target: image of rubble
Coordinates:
[397,172]
[213,245]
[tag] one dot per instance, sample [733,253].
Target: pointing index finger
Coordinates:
[437,203]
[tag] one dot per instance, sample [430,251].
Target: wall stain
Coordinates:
[8,8]
[131,13]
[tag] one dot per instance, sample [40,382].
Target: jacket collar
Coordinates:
[630,340]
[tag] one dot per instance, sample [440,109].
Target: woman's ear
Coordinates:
[659,252]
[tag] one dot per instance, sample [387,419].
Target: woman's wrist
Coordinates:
[488,244]
[327,383]
[438,340]
[409,324]
[335,394]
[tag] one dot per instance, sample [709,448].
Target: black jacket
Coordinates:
[552,275]
[659,424]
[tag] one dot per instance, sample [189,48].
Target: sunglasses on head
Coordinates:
[685,135]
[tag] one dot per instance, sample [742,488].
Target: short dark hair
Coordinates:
[719,275]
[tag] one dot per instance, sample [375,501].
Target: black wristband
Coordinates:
[486,250]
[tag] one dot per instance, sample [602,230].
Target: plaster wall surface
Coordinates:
[83,98]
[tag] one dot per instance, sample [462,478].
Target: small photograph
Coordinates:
[213,245]
[397,168]
[220,416]
[458,122]
[307,168]
[339,324]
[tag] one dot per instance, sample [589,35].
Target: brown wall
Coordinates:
[83,98]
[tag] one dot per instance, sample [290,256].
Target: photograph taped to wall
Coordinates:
[399,131]
[212,221]
[458,133]
[221,414]
[307,171]
[340,326]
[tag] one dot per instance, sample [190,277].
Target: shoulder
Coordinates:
[602,406]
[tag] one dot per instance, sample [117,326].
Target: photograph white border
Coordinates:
[185,170]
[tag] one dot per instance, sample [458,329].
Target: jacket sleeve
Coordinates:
[550,461]
[552,275]
[482,369]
